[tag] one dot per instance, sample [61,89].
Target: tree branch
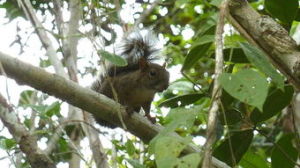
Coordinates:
[269,36]
[216,93]
[27,142]
[86,99]
[146,13]
[95,144]
[46,42]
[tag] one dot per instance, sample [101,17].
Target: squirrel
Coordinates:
[136,83]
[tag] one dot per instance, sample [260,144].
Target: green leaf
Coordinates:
[6,143]
[235,55]
[189,161]
[53,109]
[247,86]
[12,10]
[297,18]
[276,101]
[197,51]
[27,123]
[181,100]
[216,3]
[167,149]
[181,86]
[114,59]
[129,147]
[209,28]
[205,39]
[282,10]
[135,163]
[45,63]
[232,116]
[253,160]
[181,117]
[176,117]
[240,142]
[284,154]
[47,111]
[27,97]
[259,59]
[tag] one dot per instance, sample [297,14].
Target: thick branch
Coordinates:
[268,35]
[86,99]
[27,142]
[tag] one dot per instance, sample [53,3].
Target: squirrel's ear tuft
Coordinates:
[143,64]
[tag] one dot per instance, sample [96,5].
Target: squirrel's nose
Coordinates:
[163,87]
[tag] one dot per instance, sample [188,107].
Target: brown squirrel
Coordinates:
[136,83]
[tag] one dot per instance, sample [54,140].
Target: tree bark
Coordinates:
[269,36]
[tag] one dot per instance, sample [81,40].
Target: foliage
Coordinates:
[250,134]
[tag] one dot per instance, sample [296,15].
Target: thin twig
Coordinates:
[46,42]
[216,93]
[146,13]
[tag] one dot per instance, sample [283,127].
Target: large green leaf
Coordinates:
[197,51]
[232,154]
[183,99]
[247,86]
[275,102]
[284,154]
[113,58]
[252,160]
[259,59]
[283,10]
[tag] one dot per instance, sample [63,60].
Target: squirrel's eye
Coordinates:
[152,73]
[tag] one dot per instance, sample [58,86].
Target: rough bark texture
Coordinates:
[84,98]
[269,36]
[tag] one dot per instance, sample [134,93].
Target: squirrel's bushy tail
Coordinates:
[134,46]
[138,44]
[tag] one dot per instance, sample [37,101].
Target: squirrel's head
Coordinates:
[154,76]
